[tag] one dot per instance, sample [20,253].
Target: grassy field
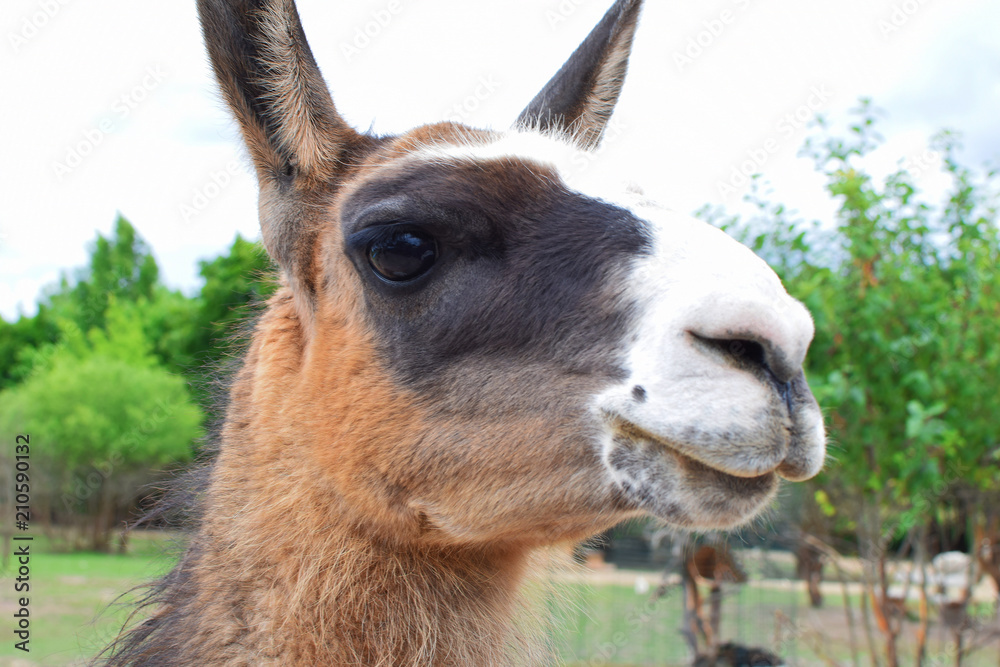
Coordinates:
[593,623]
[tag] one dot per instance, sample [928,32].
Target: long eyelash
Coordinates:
[361,239]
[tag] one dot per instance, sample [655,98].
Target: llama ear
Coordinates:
[270,79]
[578,100]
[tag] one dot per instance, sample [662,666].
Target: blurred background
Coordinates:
[852,145]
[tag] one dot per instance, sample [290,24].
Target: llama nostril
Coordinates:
[752,355]
[747,351]
[748,330]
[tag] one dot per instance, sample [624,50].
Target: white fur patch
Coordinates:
[700,282]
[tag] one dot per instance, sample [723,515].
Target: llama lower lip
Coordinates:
[660,478]
[632,431]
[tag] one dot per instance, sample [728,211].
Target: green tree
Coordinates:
[114,351]
[121,266]
[25,333]
[906,296]
[104,418]
[235,282]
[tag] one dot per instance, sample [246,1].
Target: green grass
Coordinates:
[611,624]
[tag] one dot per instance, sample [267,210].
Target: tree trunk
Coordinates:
[123,541]
[873,556]
[103,516]
[987,548]
[693,627]
[888,617]
[886,613]
[866,615]
[884,621]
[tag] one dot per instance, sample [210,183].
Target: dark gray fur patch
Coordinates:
[530,276]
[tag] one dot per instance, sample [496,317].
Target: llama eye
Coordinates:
[403,255]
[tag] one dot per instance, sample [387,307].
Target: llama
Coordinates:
[473,355]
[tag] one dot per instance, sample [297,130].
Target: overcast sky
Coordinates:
[110,106]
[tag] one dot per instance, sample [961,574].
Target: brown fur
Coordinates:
[310,584]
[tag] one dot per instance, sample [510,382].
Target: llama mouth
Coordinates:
[658,476]
[629,431]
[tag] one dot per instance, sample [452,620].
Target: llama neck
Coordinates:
[334,595]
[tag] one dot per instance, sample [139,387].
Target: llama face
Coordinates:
[714,405]
[481,342]
[572,354]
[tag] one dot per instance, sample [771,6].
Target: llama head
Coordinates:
[478,341]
